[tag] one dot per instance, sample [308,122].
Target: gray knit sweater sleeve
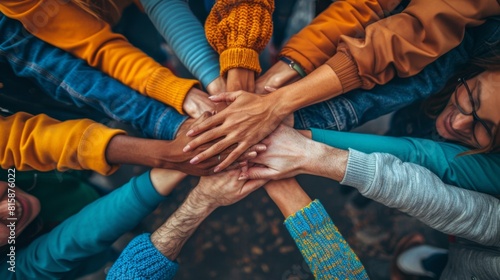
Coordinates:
[416,191]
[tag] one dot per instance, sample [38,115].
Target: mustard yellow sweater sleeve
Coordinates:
[317,42]
[64,25]
[42,143]
[403,44]
[239,30]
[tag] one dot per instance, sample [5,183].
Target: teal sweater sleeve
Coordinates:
[186,36]
[141,260]
[323,247]
[90,231]
[473,172]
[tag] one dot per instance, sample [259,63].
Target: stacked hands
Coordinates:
[227,136]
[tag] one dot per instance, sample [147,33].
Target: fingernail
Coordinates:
[217,169]
[212,97]
[262,148]
[190,132]
[252,154]
[194,160]
[186,149]
[242,177]
[243,163]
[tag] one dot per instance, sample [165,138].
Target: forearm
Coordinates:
[105,219]
[324,248]
[475,172]
[322,84]
[71,80]
[288,195]
[417,191]
[172,235]
[42,143]
[317,42]
[185,34]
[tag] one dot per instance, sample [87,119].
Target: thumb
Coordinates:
[252,185]
[256,173]
[225,96]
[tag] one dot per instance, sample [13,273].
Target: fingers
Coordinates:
[269,89]
[205,125]
[251,186]
[233,156]
[253,152]
[226,96]
[258,173]
[201,119]
[214,150]
[204,138]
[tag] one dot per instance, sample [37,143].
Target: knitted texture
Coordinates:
[239,31]
[346,70]
[141,260]
[323,247]
[169,89]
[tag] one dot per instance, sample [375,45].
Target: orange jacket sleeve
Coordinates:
[317,42]
[42,143]
[64,25]
[405,43]
[239,30]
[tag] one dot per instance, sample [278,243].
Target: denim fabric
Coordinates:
[359,106]
[71,81]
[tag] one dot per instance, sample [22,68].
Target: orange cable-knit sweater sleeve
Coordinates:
[239,30]
[405,43]
[68,27]
[317,42]
[42,143]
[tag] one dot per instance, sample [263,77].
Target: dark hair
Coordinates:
[434,105]
[106,10]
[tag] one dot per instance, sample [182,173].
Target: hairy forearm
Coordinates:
[173,234]
[326,161]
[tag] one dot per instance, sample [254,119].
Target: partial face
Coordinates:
[26,206]
[472,114]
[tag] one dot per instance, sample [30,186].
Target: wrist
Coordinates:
[294,66]
[201,202]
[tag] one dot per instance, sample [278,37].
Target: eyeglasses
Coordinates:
[467,106]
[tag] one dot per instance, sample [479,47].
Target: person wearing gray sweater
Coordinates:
[470,216]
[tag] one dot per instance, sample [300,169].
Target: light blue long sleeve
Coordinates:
[474,172]
[185,35]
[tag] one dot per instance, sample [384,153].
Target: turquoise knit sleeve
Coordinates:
[186,36]
[323,247]
[141,260]
[58,253]
[473,172]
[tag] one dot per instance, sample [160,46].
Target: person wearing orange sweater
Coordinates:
[42,143]
[239,31]
[83,28]
[403,43]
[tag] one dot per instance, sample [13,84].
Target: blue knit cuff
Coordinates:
[307,219]
[141,260]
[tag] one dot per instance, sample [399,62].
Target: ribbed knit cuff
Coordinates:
[346,70]
[92,148]
[360,170]
[169,89]
[141,260]
[239,57]
[323,247]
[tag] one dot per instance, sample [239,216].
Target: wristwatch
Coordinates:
[294,66]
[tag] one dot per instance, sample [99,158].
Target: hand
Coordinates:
[224,189]
[244,123]
[180,161]
[279,75]
[288,154]
[217,86]
[240,79]
[196,103]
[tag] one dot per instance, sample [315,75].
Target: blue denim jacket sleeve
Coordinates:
[359,106]
[185,34]
[71,81]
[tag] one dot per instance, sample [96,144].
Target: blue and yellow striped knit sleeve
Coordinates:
[323,247]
